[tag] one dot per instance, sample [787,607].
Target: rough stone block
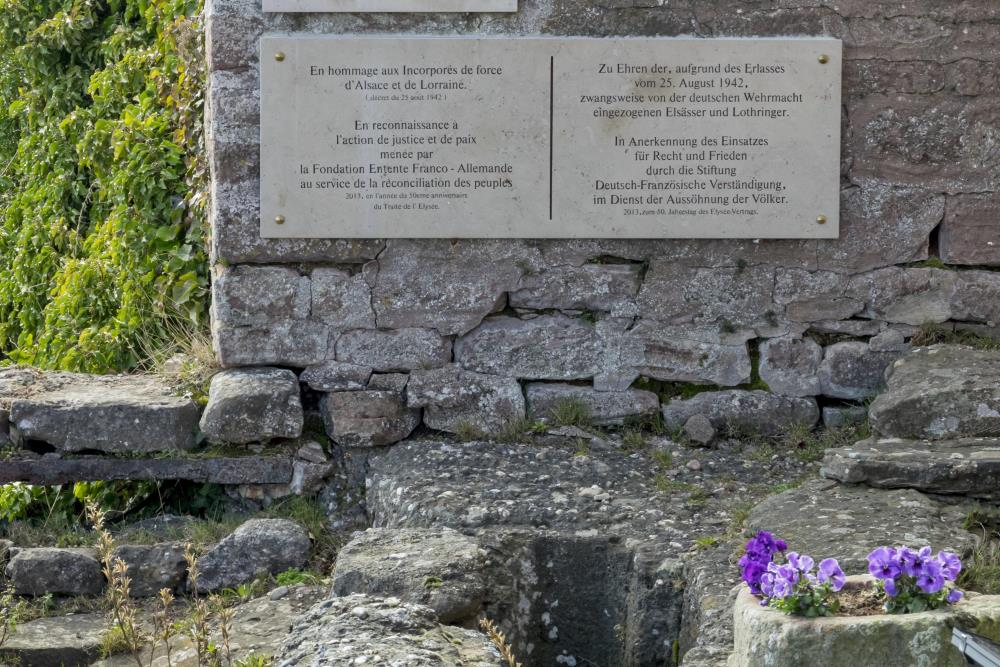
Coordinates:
[810,296]
[454,398]
[977,297]
[153,567]
[548,347]
[439,568]
[367,418]
[298,344]
[853,370]
[686,354]
[259,295]
[444,285]
[126,413]
[908,296]
[737,411]
[603,407]
[58,571]
[842,417]
[336,376]
[51,469]
[259,546]
[395,350]
[593,287]
[341,300]
[56,641]
[789,366]
[252,405]
[970,233]
[389,382]
[940,392]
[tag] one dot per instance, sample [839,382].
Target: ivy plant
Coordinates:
[102,180]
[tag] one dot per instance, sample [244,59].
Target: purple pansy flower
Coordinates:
[911,562]
[890,587]
[954,595]
[951,564]
[829,571]
[883,564]
[930,579]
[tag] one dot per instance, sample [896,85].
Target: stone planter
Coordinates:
[764,636]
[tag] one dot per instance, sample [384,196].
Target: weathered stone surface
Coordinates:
[855,520]
[674,293]
[57,641]
[970,233]
[396,350]
[111,413]
[446,285]
[153,567]
[548,347]
[765,636]
[969,467]
[360,629]
[299,343]
[252,405]
[685,354]
[439,568]
[341,300]
[259,546]
[842,416]
[698,429]
[889,340]
[853,370]
[937,142]
[259,295]
[58,571]
[591,287]
[908,296]
[389,382]
[881,224]
[739,411]
[790,366]
[977,297]
[940,392]
[603,407]
[454,398]
[336,376]
[367,418]
[809,296]
[54,469]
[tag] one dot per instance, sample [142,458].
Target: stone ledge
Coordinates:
[51,469]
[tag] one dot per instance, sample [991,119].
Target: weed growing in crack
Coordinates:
[13,610]
[570,412]
[500,641]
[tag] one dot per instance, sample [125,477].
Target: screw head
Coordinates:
[823,59]
[279,56]
[821,219]
[279,219]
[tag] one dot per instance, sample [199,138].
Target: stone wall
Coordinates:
[480,324]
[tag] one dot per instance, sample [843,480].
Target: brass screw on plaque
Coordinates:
[821,219]
[824,59]
[279,219]
[279,56]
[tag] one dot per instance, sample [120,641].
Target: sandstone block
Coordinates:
[738,411]
[259,546]
[603,407]
[367,418]
[395,350]
[252,405]
[790,366]
[853,370]
[454,398]
[341,300]
[44,570]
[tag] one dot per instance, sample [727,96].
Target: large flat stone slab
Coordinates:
[968,467]
[364,630]
[52,469]
[827,520]
[110,413]
[59,641]
[940,392]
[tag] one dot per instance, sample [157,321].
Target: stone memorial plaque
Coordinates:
[366,6]
[424,137]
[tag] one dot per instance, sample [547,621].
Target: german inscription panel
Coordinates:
[425,137]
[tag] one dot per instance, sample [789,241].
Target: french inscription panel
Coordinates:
[367,6]
[438,137]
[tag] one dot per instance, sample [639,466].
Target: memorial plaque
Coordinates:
[365,6]
[549,137]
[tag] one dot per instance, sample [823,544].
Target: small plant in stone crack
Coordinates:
[12,609]
[163,629]
[125,634]
[500,641]
[200,628]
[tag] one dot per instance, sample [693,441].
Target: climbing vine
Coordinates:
[102,187]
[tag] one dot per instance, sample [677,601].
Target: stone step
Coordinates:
[59,641]
[52,469]
[940,393]
[73,412]
[966,466]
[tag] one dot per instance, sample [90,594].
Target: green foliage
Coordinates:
[294,575]
[102,191]
[933,334]
[254,660]
[19,501]
[570,412]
